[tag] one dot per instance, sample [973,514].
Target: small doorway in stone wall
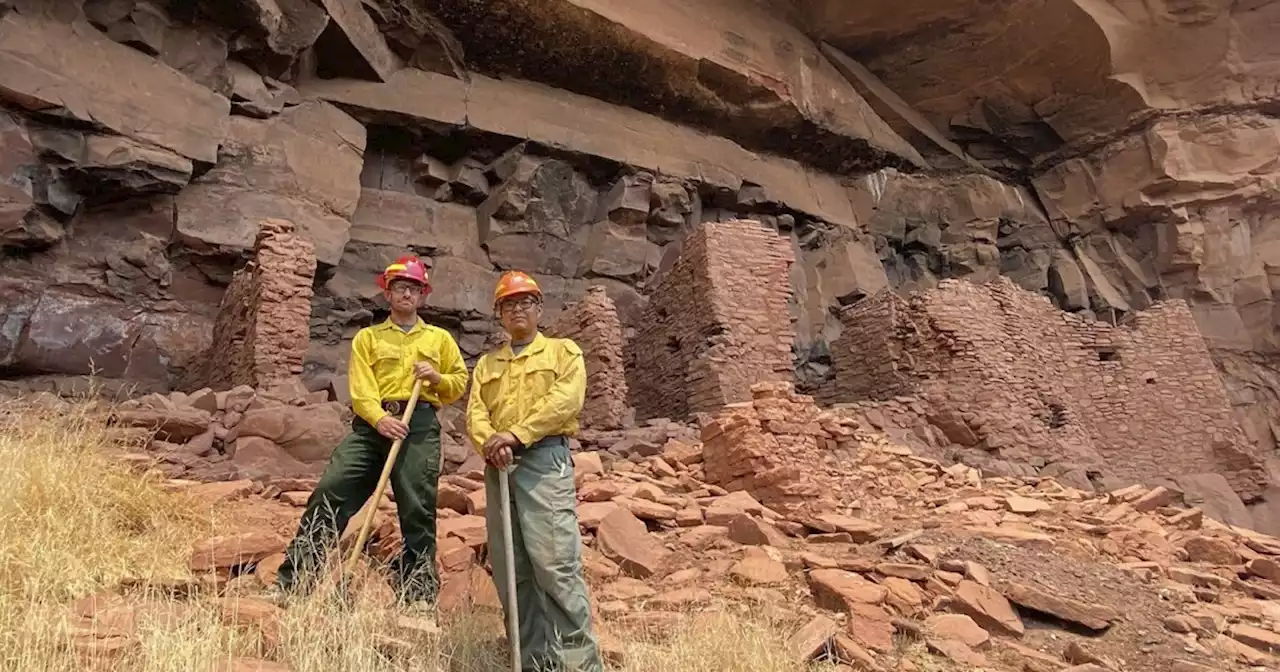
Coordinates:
[1107,353]
[1055,414]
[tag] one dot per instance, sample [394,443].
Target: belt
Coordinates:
[551,440]
[396,407]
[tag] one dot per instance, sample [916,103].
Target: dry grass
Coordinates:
[74,522]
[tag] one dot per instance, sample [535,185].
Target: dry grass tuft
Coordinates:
[75,522]
[720,641]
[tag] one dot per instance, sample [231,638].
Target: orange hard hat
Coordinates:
[407,268]
[515,282]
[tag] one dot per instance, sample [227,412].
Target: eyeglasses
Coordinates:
[404,288]
[525,304]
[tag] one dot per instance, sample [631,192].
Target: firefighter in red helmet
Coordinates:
[386,359]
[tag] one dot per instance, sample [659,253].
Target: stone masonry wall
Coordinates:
[881,365]
[593,324]
[1004,376]
[717,323]
[261,333]
[1162,392]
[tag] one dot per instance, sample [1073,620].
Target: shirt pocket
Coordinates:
[539,376]
[385,355]
[424,352]
[490,383]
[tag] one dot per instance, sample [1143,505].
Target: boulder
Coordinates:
[100,83]
[170,424]
[724,510]
[1067,283]
[838,590]
[1091,616]
[254,457]
[748,530]
[302,166]
[624,539]
[24,184]
[230,551]
[958,627]
[138,25]
[253,95]
[351,28]
[988,608]
[199,54]
[68,332]
[615,251]
[464,287]
[812,640]
[400,220]
[101,164]
[285,27]
[307,433]
[1213,495]
[861,531]
[536,219]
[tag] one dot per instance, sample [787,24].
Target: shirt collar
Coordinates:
[390,324]
[538,343]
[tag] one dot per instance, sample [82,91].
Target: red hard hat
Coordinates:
[407,268]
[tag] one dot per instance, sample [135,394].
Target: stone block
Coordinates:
[91,79]
[302,166]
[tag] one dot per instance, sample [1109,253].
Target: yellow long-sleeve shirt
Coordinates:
[533,395]
[381,367]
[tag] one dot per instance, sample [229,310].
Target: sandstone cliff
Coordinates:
[1109,154]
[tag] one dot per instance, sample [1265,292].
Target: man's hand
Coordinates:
[392,428]
[498,449]
[424,371]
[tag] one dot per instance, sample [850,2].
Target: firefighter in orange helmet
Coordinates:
[385,360]
[525,401]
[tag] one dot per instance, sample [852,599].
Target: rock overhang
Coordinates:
[728,64]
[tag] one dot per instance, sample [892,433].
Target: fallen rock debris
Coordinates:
[995,573]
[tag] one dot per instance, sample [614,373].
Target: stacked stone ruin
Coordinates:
[717,323]
[990,374]
[261,334]
[775,446]
[593,324]
[995,371]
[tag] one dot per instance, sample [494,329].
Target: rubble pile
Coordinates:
[282,432]
[895,550]
[288,432]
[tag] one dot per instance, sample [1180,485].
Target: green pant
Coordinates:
[349,480]
[551,595]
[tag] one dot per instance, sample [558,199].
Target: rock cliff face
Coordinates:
[1110,154]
